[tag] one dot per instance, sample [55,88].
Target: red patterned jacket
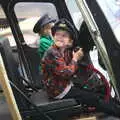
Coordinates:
[57,70]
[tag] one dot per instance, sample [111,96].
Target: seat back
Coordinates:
[33,60]
[11,66]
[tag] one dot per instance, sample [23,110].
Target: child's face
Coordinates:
[46,30]
[62,39]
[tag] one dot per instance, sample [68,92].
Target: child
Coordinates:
[60,64]
[43,28]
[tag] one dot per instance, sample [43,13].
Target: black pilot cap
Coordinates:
[64,24]
[45,19]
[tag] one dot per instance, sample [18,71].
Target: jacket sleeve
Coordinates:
[58,66]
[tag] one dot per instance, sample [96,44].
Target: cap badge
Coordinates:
[62,25]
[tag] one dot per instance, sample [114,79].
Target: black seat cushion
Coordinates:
[45,104]
[58,104]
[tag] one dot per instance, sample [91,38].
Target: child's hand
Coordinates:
[78,55]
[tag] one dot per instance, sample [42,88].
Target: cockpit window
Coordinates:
[32,9]
[31,14]
[111,9]
[5,30]
[75,13]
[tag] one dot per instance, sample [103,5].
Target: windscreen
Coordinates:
[111,10]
